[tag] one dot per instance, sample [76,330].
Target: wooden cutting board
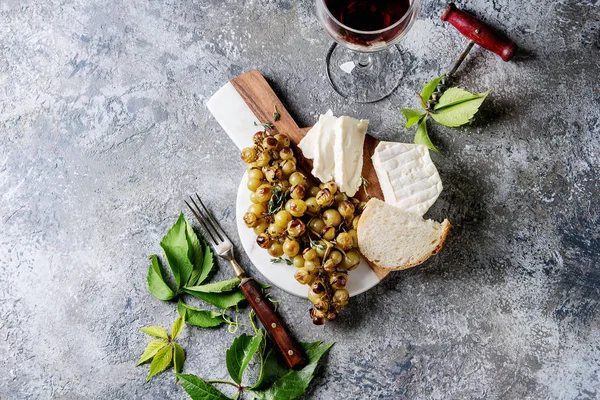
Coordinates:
[261,99]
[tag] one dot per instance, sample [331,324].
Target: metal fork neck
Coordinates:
[237,269]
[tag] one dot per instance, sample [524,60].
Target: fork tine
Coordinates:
[197,213]
[212,221]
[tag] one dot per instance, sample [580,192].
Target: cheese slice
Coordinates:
[348,149]
[318,143]
[408,178]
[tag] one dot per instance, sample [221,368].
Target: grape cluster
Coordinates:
[313,225]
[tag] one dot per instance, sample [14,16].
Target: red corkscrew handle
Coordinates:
[477,31]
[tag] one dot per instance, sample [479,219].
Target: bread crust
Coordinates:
[445,231]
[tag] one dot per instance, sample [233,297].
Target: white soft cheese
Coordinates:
[348,149]
[318,143]
[408,178]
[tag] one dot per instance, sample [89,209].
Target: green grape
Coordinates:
[253,184]
[313,296]
[253,197]
[275,230]
[336,257]
[344,241]
[338,280]
[296,228]
[283,218]
[297,192]
[250,219]
[291,247]
[261,226]
[341,297]
[321,305]
[324,198]
[313,191]
[316,225]
[248,154]
[275,249]
[298,178]
[251,166]
[312,205]
[264,193]
[298,261]
[310,254]
[255,173]
[317,317]
[304,276]
[296,207]
[332,217]
[352,232]
[328,232]
[258,209]
[331,186]
[263,241]
[312,265]
[321,248]
[351,260]
[288,167]
[273,174]
[263,159]
[339,196]
[329,266]
[258,137]
[345,208]
[283,141]
[355,222]
[286,154]
[269,143]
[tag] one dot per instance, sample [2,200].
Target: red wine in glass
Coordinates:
[369,16]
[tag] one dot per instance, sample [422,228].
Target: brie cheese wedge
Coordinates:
[318,143]
[348,149]
[408,178]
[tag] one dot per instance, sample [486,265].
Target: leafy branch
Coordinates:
[455,107]
[191,262]
[164,351]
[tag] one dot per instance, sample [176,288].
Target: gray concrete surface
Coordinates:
[104,131]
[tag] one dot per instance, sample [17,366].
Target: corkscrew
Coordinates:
[478,33]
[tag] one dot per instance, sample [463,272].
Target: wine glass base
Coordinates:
[364,77]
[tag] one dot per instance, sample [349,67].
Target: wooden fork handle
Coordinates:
[289,348]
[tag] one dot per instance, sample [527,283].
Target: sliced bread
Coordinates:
[395,239]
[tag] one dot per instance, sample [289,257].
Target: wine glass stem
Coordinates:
[364,60]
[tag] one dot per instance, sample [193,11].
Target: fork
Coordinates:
[288,347]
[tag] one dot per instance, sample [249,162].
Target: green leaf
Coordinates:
[198,317]
[175,247]
[161,361]
[207,264]
[178,358]
[157,331]
[460,113]
[156,283]
[217,287]
[421,137]
[153,347]
[453,96]
[240,353]
[221,300]
[294,383]
[177,325]
[271,370]
[428,90]
[195,254]
[198,389]
[412,116]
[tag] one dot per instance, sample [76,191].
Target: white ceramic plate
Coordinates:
[282,275]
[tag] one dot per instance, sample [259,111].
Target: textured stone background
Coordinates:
[104,131]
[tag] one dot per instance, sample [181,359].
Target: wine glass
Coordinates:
[366,65]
